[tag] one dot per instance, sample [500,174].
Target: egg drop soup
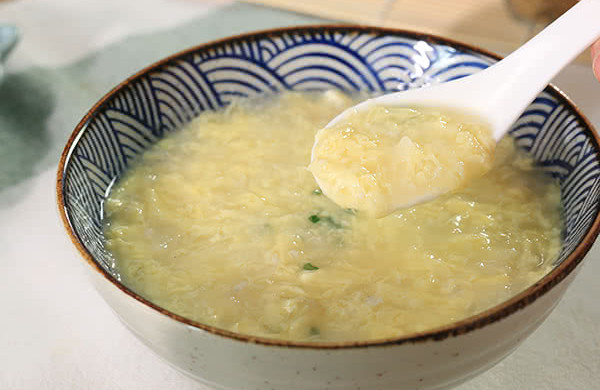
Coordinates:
[223,223]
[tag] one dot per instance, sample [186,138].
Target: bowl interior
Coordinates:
[169,94]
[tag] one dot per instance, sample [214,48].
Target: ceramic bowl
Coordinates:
[9,36]
[166,95]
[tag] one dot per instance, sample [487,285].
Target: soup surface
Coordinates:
[223,223]
[383,159]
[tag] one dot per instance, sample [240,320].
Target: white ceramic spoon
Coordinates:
[500,93]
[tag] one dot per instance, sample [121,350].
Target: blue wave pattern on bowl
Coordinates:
[168,97]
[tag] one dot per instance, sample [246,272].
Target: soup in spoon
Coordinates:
[384,159]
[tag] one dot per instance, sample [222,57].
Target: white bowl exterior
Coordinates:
[225,363]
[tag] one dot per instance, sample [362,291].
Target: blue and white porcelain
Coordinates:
[9,36]
[165,96]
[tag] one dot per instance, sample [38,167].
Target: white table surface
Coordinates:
[57,333]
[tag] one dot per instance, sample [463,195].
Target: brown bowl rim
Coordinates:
[487,317]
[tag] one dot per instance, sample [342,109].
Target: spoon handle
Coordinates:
[500,93]
[516,80]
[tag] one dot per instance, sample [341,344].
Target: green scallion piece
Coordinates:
[309,267]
